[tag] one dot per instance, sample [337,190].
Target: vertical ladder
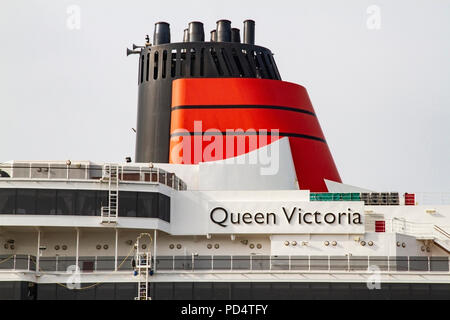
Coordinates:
[143,267]
[110,212]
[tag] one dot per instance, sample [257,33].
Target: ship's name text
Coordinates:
[295,215]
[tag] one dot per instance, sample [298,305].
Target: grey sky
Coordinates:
[382,96]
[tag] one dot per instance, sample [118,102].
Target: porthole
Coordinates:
[428,249]
[99,247]
[12,247]
[252,246]
[144,246]
[398,244]
[371,243]
[57,247]
[172,246]
[294,243]
[209,246]
[286,243]
[179,246]
[334,244]
[6,246]
[403,245]
[217,246]
[106,247]
[423,249]
[363,243]
[327,243]
[64,247]
[259,246]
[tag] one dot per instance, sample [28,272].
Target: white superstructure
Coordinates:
[213,222]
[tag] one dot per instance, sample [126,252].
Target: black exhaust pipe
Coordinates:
[223,31]
[196,32]
[162,33]
[213,36]
[249,32]
[235,35]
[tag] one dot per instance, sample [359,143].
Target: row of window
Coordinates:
[82,203]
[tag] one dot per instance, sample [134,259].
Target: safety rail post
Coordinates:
[14,262]
[348,262]
[270,262]
[429,264]
[309,263]
[30,169]
[28,264]
[157,175]
[56,263]
[192,262]
[231,262]
[368,262]
[409,264]
[388,264]
[48,172]
[329,263]
[173,263]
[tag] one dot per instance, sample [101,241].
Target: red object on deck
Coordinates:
[410,199]
[223,104]
[380,226]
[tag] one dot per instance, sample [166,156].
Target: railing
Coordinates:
[417,229]
[432,198]
[87,171]
[245,264]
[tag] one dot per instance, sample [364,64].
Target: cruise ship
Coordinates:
[233,194]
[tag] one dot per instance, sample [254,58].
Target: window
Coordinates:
[82,203]
[25,201]
[7,201]
[65,202]
[46,201]
[164,207]
[85,203]
[127,204]
[147,205]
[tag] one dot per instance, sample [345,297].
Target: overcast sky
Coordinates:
[382,95]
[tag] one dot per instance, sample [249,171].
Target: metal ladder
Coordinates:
[111,174]
[143,268]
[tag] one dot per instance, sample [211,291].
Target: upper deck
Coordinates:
[87,171]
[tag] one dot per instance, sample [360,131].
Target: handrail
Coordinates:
[252,264]
[86,171]
[442,231]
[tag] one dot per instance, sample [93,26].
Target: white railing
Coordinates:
[420,230]
[240,264]
[432,198]
[86,171]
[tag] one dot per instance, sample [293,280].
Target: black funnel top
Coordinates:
[223,31]
[213,36]
[235,35]
[249,32]
[196,32]
[162,33]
